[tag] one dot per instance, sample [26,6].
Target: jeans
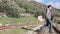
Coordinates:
[48,23]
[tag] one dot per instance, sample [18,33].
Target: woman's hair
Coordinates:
[49,6]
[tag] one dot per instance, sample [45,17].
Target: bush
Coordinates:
[10,8]
[38,13]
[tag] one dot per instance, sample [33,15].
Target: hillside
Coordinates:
[23,6]
[14,8]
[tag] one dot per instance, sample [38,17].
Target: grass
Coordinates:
[27,20]
[14,31]
[9,20]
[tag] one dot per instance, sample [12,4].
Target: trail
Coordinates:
[44,31]
[32,31]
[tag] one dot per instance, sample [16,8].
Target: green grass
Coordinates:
[27,20]
[14,31]
[9,20]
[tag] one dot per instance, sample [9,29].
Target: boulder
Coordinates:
[40,18]
[1,24]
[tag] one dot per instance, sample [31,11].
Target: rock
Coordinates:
[38,27]
[7,24]
[1,24]
[24,27]
[31,32]
[40,19]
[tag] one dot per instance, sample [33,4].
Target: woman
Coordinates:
[48,19]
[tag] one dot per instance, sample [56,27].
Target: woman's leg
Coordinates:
[47,24]
[50,23]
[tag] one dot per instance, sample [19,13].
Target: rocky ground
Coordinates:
[44,31]
[29,31]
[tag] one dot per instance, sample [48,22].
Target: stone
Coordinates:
[7,24]
[40,18]
[1,24]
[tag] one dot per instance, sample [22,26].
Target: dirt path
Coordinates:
[11,26]
[32,31]
[44,31]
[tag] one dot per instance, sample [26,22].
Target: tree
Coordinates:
[10,8]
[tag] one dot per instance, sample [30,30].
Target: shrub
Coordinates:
[10,8]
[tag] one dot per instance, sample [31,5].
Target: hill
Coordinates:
[16,7]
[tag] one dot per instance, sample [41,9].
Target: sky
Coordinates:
[54,3]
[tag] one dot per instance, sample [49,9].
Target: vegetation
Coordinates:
[14,31]
[12,21]
[13,8]
[8,20]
